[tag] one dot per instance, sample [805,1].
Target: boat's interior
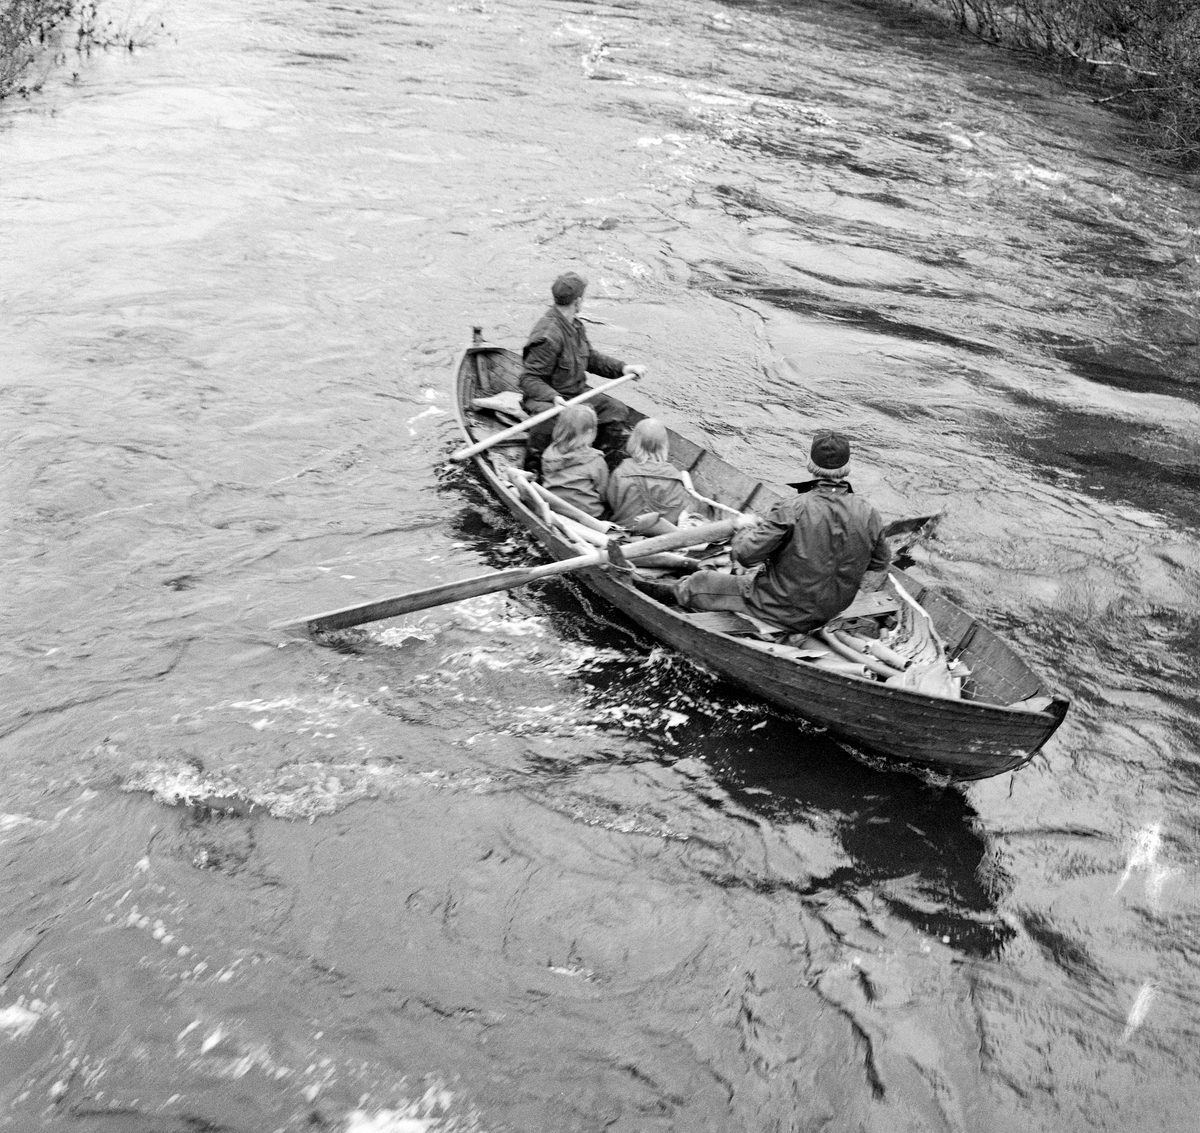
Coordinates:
[906,635]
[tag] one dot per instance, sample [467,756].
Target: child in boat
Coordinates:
[571,468]
[646,492]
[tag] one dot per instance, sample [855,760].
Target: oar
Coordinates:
[913,525]
[560,505]
[536,419]
[503,580]
[685,476]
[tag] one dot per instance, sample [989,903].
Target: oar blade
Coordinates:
[903,533]
[415,600]
[910,525]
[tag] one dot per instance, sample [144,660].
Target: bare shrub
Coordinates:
[46,31]
[25,26]
[1147,52]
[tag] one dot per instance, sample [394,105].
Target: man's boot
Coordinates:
[663,592]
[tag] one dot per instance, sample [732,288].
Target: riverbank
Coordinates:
[38,35]
[25,27]
[1142,56]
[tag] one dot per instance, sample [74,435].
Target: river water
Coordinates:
[508,866]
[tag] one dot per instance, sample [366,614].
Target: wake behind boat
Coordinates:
[928,684]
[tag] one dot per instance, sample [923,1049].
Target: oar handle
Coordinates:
[715,532]
[536,419]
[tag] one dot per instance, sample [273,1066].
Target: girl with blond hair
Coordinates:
[646,492]
[571,468]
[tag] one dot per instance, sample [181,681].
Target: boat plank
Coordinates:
[682,452]
[992,663]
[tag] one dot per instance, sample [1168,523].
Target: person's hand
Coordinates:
[745,520]
[558,400]
[638,372]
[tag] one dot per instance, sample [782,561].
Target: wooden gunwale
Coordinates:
[968,738]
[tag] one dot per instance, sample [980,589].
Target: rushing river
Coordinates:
[509,866]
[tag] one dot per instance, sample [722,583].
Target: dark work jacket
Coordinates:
[580,477]
[558,358]
[816,548]
[655,486]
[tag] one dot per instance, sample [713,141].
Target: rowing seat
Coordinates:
[505,405]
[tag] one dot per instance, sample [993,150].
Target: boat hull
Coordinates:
[962,739]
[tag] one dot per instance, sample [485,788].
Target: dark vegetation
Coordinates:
[1145,54]
[26,26]
[36,34]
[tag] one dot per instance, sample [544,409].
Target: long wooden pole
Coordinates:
[503,580]
[687,483]
[536,419]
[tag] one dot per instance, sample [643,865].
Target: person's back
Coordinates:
[654,486]
[556,360]
[814,549]
[647,484]
[579,477]
[571,468]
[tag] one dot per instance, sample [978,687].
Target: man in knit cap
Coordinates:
[814,549]
[557,359]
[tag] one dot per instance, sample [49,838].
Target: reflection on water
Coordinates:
[508,864]
[905,845]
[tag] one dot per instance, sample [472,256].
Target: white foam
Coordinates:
[491,613]
[10,822]
[389,1121]
[1143,852]
[395,636]
[429,1114]
[303,790]
[17,1021]
[1027,173]
[320,712]
[1138,1012]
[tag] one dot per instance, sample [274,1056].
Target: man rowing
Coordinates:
[557,360]
[815,550]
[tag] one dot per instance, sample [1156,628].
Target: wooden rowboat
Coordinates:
[1006,711]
